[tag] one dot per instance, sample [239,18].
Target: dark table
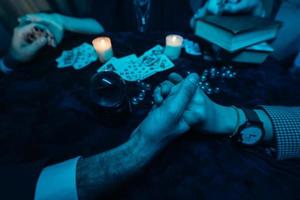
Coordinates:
[45,112]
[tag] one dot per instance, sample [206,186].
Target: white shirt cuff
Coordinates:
[4,68]
[58,182]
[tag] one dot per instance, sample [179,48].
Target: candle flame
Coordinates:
[102,42]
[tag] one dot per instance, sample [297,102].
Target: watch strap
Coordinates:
[251,116]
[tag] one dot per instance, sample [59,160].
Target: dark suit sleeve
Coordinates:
[19,181]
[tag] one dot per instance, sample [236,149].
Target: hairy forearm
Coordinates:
[84,26]
[99,174]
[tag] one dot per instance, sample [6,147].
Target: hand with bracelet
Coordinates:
[209,117]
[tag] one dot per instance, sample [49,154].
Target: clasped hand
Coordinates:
[180,104]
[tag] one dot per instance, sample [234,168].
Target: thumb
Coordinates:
[186,92]
[37,44]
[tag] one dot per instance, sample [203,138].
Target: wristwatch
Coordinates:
[252,132]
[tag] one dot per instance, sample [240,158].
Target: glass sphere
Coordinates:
[108,90]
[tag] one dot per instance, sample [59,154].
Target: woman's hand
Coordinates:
[58,24]
[21,50]
[201,112]
[54,23]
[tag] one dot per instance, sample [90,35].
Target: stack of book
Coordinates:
[242,38]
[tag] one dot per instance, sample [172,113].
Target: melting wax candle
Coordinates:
[104,49]
[173,46]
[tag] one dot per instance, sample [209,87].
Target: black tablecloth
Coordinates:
[45,112]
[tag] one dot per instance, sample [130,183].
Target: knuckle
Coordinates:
[166,88]
[199,113]
[165,83]
[156,90]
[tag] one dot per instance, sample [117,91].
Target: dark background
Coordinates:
[114,15]
[166,15]
[46,113]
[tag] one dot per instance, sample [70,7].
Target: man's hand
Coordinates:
[21,50]
[168,119]
[100,174]
[201,112]
[219,7]
[254,7]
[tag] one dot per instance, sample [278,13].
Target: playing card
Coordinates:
[78,57]
[165,63]
[132,68]
[129,75]
[122,62]
[153,61]
[147,73]
[157,50]
[67,59]
[89,51]
[109,66]
[81,60]
[127,67]
[151,58]
[85,56]
[191,47]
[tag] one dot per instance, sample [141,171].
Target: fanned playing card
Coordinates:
[157,50]
[79,57]
[127,67]
[85,56]
[165,63]
[132,68]
[154,61]
[191,47]
[151,57]
[67,59]
[109,66]
[89,51]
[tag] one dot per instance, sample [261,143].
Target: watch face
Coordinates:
[251,135]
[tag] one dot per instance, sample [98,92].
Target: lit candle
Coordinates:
[173,46]
[104,48]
